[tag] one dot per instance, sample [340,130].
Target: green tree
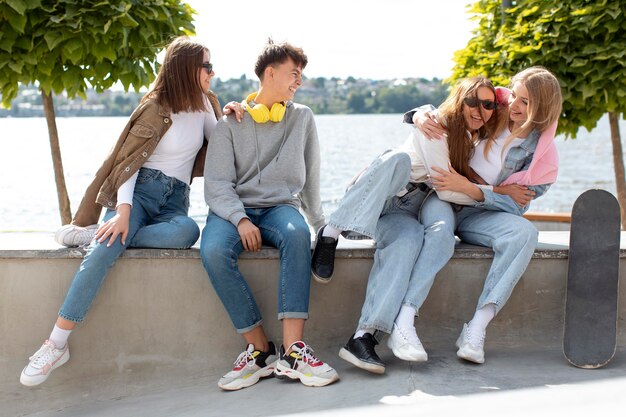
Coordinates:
[583,42]
[72,44]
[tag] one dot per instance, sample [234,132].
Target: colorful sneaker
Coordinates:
[71,235]
[46,359]
[471,351]
[361,353]
[251,365]
[405,344]
[323,260]
[301,364]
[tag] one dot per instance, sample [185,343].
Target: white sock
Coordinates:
[59,336]
[330,231]
[361,333]
[406,317]
[478,325]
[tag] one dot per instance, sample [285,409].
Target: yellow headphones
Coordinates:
[261,114]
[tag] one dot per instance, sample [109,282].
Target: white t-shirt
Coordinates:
[176,152]
[489,168]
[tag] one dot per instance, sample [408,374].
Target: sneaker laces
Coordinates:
[306,354]
[43,356]
[409,336]
[245,358]
[474,338]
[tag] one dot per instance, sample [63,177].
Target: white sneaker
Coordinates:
[405,344]
[46,359]
[301,364]
[71,235]
[473,352]
[251,365]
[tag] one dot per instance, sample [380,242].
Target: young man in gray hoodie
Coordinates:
[259,172]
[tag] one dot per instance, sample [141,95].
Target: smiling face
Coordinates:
[204,75]
[475,117]
[286,79]
[518,104]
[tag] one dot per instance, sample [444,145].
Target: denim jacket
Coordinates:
[145,128]
[517,159]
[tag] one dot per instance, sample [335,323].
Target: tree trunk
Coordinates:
[57,163]
[618,163]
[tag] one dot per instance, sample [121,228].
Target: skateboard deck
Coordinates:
[592,280]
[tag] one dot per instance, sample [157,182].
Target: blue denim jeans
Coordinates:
[158,219]
[371,207]
[282,227]
[365,200]
[513,240]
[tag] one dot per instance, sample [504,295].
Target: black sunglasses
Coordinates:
[208,66]
[487,104]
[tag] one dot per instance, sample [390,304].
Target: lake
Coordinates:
[348,144]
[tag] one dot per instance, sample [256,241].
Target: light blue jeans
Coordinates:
[158,219]
[371,207]
[512,238]
[282,227]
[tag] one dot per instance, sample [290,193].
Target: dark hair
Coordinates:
[177,84]
[274,54]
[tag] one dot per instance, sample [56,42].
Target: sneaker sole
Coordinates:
[461,354]
[32,381]
[241,383]
[346,355]
[283,371]
[420,358]
[321,280]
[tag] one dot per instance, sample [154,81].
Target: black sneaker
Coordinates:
[323,261]
[360,353]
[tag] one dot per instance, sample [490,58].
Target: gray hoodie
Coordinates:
[256,165]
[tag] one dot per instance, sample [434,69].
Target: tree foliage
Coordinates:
[73,44]
[583,42]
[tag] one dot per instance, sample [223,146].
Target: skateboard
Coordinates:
[592,280]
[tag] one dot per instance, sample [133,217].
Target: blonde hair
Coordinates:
[461,146]
[177,84]
[545,102]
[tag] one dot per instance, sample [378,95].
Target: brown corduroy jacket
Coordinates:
[147,125]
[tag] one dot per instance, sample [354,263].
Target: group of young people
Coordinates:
[470,168]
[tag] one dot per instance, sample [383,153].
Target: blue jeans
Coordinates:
[282,227]
[513,240]
[371,207]
[158,219]
[365,200]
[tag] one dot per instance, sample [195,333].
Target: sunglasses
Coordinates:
[474,102]
[207,66]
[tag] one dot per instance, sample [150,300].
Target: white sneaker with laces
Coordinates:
[251,365]
[468,350]
[71,235]
[44,361]
[301,364]
[405,344]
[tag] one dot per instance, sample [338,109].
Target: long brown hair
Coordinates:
[460,143]
[177,84]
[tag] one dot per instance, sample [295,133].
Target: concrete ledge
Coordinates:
[158,322]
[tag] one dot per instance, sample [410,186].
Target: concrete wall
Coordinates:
[157,317]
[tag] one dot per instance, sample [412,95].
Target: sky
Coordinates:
[377,39]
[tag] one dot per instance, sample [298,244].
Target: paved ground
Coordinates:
[513,381]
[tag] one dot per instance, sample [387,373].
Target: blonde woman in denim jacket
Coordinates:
[143,184]
[521,163]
